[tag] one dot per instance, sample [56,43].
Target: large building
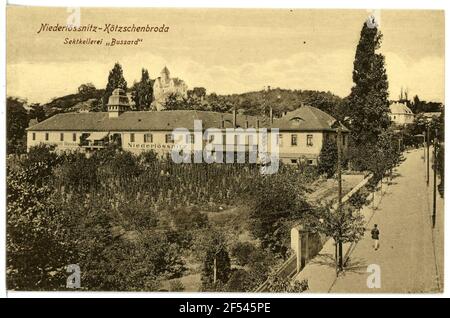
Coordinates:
[300,136]
[164,86]
[400,114]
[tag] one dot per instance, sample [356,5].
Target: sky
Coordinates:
[224,50]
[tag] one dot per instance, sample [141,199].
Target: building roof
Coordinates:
[305,118]
[400,108]
[142,121]
[165,71]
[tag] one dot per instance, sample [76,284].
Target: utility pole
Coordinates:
[434,177]
[339,175]
[424,146]
[428,154]
[215,269]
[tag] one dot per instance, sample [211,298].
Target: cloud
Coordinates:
[328,72]
[423,77]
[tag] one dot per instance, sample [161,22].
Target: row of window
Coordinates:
[294,140]
[61,136]
[148,138]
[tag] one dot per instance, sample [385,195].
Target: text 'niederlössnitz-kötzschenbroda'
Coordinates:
[105,28]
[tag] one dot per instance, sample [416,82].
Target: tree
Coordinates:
[37,112]
[175,102]
[359,199]
[16,124]
[197,92]
[277,203]
[115,80]
[142,93]
[343,225]
[39,163]
[218,104]
[385,155]
[328,158]
[368,104]
[240,281]
[216,268]
[86,89]
[37,242]
[242,252]
[211,249]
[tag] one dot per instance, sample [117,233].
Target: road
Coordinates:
[410,257]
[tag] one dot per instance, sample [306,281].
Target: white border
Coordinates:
[319,4]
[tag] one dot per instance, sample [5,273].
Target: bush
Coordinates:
[240,281]
[189,218]
[277,284]
[242,252]
[176,285]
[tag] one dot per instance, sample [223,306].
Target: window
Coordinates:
[131,137]
[344,140]
[279,139]
[148,138]
[309,142]
[169,139]
[190,139]
[34,136]
[310,162]
[74,137]
[46,136]
[294,140]
[61,137]
[293,160]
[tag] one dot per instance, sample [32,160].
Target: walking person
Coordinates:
[375,236]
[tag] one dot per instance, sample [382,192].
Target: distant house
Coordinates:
[400,114]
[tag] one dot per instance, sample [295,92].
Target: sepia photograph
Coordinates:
[242,150]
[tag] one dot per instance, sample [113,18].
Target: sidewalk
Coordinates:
[438,231]
[321,270]
[406,255]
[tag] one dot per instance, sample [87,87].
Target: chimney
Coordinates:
[271,115]
[234,118]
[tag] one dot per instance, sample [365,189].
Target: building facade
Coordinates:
[400,114]
[164,86]
[299,135]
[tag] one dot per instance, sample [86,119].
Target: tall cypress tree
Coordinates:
[142,93]
[115,80]
[368,101]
